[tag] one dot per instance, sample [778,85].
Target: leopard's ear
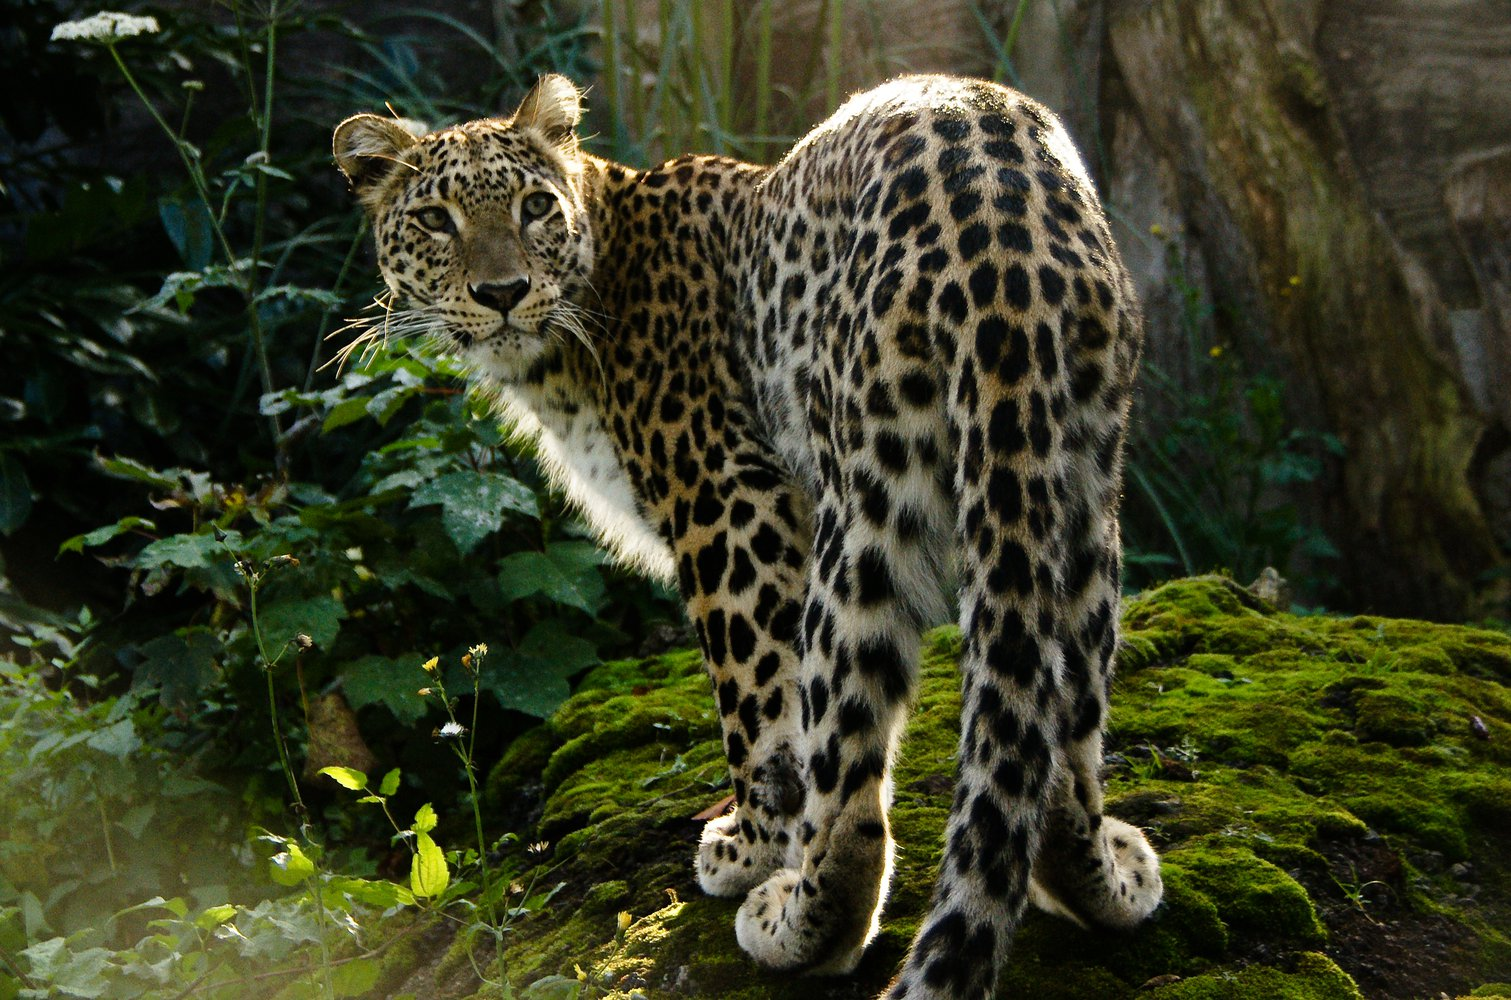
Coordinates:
[553,107]
[369,148]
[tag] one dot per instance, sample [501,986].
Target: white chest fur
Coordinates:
[580,460]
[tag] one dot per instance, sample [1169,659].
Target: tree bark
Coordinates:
[1233,99]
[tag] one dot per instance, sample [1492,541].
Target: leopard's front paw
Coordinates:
[732,860]
[783,924]
[1139,886]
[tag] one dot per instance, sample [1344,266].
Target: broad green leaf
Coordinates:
[214,916]
[554,644]
[318,617]
[181,665]
[346,777]
[347,411]
[290,866]
[356,978]
[388,681]
[390,783]
[424,819]
[552,988]
[474,504]
[119,740]
[99,536]
[186,551]
[373,892]
[533,678]
[429,874]
[189,227]
[15,494]
[130,468]
[567,572]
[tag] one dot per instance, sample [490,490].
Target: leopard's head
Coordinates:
[482,229]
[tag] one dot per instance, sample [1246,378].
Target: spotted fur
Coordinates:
[816,395]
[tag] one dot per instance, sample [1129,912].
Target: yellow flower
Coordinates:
[430,665]
[624,920]
[1295,280]
[1216,351]
[1156,230]
[423,692]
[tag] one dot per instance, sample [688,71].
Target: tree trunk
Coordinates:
[1234,102]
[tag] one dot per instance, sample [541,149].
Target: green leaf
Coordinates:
[552,988]
[189,226]
[15,494]
[185,551]
[346,777]
[373,892]
[533,678]
[214,916]
[356,978]
[390,783]
[474,504]
[429,874]
[425,819]
[118,740]
[182,666]
[387,681]
[348,411]
[130,468]
[318,617]
[290,866]
[99,536]
[567,572]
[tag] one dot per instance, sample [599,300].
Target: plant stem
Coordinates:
[267,672]
[259,221]
[202,188]
[325,317]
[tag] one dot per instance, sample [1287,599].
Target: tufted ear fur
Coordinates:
[553,107]
[369,148]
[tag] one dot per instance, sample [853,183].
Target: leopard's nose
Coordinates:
[500,295]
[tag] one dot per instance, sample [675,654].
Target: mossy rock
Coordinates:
[1310,781]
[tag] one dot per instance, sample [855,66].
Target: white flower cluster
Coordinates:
[106,28]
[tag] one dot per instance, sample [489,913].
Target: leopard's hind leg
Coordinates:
[1040,410]
[1091,867]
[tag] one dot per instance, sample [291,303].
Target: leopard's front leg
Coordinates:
[860,643]
[742,543]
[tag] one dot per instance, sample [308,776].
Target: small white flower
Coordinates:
[105,28]
[452,729]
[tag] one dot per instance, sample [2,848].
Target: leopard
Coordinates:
[835,401]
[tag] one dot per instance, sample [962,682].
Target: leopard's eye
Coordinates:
[537,204]
[435,219]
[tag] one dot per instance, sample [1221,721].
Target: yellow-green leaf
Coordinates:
[214,916]
[390,783]
[424,819]
[356,978]
[346,777]
[290,866]
[429,875]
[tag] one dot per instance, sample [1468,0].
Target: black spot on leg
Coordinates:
[874,578]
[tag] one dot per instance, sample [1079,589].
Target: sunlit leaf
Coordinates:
[346,777]
[429,874]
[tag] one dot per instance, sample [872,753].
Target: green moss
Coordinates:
[1425,660]
[1394,718]
[1250,894]
[1502,991]
[1314,977]
[1281,744]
